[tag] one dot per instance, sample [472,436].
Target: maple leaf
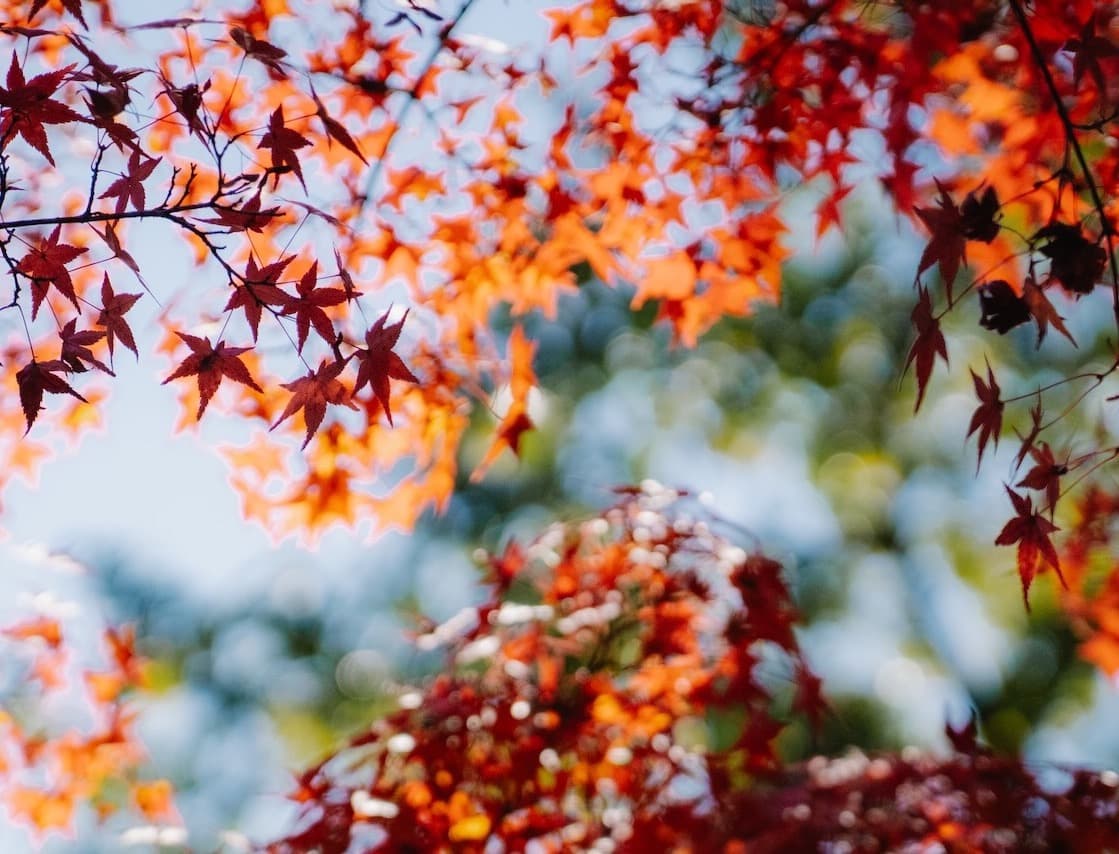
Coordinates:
[1000,307]
[283,142]
[113,308]
[1076,262]
[119,252]
[45,265]
[36,378]
[247,217]
[1045,476]
[308,307]
[187,102]
[347,280]
[335,130]
[977,216]
[27,106]
[928,345]
[1043,312]
[1031,532]
[258,290]
[75,348]
[946,248]
[259,49]
[74,7]
[987,418]
[210,363]
[313,393]
[1088,49]
[129,187]
[377,363]
[1031,437]
[516,421]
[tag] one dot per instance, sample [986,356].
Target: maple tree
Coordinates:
[286,159]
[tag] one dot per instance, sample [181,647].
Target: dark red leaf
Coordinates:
[377,363]
[313,393]
[113,308]
[35,378]
[987,418]
[928,345]
[210,363]
[1001,308]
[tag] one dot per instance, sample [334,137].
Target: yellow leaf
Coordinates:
[470,829]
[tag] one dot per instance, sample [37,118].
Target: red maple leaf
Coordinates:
[347,279]
[946,248]
[248,217]
[377,362]
[335,129]
[259,49]
[210,364]
[1045,476]
[75,348]
[308,307]
[1043,312]
[987,418]
[1031,532]
[1087,50]
[129,187]
[283,141]
[113,308]
[258,290]
[928,345]
[312,393]
[119,252]
[34,379]
[45,265]
[74,7]
[187,102]
[27,106]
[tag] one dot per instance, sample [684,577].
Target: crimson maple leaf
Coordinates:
[312,393]
[210,363]
[74,7]
[248,217]
[259,49]
[75,348]
[258,290]
[308,307]
[928,345]
[987,418]
[1031,532]
[347,280]
[129,187]
[378,363]
[45,265]
[1087,50]
[187,102]
[113,308]
[1045,476]
[27,106]
[946,248]
[283,141]
[335,129]
[1043,312]
[34,379]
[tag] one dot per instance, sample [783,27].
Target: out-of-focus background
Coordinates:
[796,425]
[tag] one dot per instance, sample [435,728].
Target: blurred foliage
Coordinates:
[821,372]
